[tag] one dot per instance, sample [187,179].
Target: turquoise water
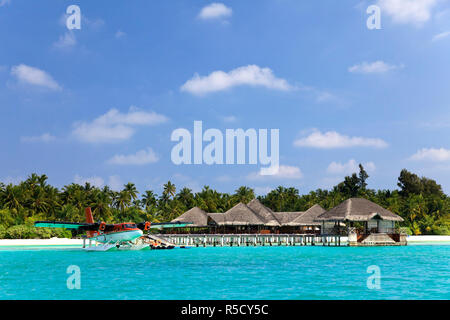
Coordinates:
[412,272]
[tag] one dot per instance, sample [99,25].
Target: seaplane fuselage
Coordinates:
[121,232]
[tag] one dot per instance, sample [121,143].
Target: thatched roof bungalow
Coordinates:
[308,218]
[358,209]
[365,222]
[378,223]
[239,215]
[253,217]
[196,216]
[264,213]
[287,217]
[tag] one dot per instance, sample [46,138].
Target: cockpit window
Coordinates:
[130,226]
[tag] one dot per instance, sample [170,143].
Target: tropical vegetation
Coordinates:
[419,200]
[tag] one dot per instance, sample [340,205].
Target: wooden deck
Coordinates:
[241,240]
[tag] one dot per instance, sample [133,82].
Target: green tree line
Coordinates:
[419,200]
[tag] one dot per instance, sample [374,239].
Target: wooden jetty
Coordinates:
[242,240]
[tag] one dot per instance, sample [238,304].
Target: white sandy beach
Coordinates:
[79,242]
[412,239]
[40,242]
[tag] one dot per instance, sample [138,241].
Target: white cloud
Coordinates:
[95,24]
[332,140]
[432,154]
[94,181]
[89,132]
[261,191]
[4,2]
[350,167]
[408,11]
[46,137]
[229,119]
[115,183]
[329,182]
[441,36]
[323,96]
[34,76]
[373,67]
[139,158]
[251,75]
[120,34]
[215,11]
[284,172]
[66,41]
[115,126]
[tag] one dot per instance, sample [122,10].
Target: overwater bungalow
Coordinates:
[366,222]
[198,220]
[239,219]
[305,222]
[251,218]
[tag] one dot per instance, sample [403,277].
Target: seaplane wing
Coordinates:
[67,225]
[107,227]
[166,225]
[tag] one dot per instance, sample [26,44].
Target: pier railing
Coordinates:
[240,240]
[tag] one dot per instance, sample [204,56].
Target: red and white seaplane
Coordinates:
[104,237]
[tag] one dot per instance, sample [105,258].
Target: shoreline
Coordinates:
[427,238]
[79,242]
[40,242]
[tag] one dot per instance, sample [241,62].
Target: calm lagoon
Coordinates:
[411,272]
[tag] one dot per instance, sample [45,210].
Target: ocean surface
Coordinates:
[411,272]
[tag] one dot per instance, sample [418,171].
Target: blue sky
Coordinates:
[99,104]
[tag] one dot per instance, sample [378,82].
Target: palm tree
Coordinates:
[42,180]
[186,197]
[169,190]
[39,202]
[101,205]
[80,201]
[244,195]
[122,200]
[13,197]
[32,181]
[149,199]
[130,188]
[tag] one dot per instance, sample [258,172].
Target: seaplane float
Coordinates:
[119,236]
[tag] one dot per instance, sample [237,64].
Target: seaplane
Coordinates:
[118,236]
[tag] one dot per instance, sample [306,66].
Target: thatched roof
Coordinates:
[285,217]
[358,209]
[308,218]
[240,215]
[264,213]
[217,217]
[196,216]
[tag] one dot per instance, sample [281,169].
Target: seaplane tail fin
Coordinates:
[89,219]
